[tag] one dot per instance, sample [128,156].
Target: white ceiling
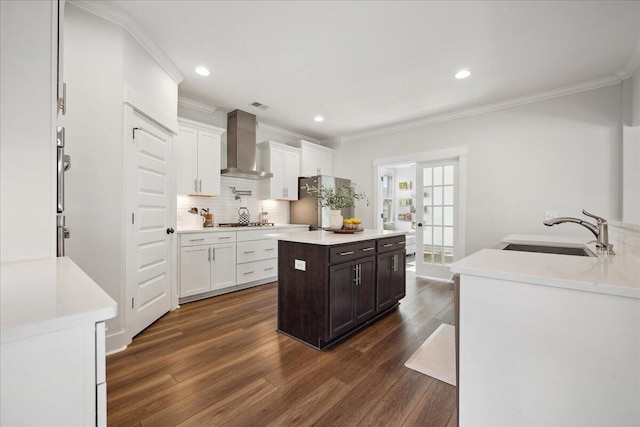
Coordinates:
[365,65]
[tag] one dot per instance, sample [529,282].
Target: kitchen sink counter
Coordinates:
[328,238]
[556,337]
[223,229]
[617,274]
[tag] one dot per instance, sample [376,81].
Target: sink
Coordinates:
[560,250]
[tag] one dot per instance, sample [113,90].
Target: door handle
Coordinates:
[346,253]
[171,231]
[200,188]
[387,245]
[367,249]
[195,185]
[209,250]
[213,254]
[249,252]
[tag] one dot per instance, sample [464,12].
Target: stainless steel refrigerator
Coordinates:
[305,210]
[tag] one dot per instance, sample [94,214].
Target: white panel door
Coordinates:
[148,239]
[186,152]
[195,270]
[209,163]
[223,266]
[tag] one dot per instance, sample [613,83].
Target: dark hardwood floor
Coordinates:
[220,361]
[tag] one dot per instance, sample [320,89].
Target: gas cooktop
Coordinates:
[251,224]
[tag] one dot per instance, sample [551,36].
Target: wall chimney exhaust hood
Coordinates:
[241,147]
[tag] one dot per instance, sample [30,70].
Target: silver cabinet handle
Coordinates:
[200,188]
[270,249]
[346,253]
[355,270]
[387,245]
[401,243]
[249,252]
[213,254]
[367,249]
[195,185]
[195,240]
[209,253]
[222,238]
[248,272]
[268,268]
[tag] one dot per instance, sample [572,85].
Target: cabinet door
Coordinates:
[341,298]
[365,290]
[277,187]
[291,173]
[186,154]
[223,265]
[209,163]
[324,163]
[384,298]
[398,276]
[195,270]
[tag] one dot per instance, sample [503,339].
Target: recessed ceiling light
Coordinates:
[463,74]
[318,119]
[203,71]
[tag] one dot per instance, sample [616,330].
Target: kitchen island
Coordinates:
[332,285]
[549,339]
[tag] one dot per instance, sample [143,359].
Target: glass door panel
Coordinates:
[436,218]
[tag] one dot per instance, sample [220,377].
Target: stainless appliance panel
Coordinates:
[305,210]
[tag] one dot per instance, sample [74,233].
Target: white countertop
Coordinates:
[46,295]
[617,274]
[222,229]
[328,238]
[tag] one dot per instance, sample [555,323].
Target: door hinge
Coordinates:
[133,218]
[132,302]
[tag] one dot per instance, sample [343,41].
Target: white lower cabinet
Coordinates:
[206,266]
[212,263]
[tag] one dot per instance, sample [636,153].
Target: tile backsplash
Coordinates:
[225,206]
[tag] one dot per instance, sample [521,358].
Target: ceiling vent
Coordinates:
[260,105]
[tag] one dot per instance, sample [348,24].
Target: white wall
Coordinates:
[101,58]
[27,138]
[631,150]
[94,126]
[562,154]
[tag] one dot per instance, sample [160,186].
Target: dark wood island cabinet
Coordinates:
[330,286]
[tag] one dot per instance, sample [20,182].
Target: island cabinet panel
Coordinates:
[303,295]
[327,292]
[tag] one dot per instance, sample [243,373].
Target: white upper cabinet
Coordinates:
[197,153]
[314,159]
[284,162]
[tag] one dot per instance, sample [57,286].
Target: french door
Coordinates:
[437,217]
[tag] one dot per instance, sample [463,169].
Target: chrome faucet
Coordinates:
[600,229]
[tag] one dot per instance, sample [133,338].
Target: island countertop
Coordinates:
[328,238]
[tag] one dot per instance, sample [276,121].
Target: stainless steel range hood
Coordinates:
[241,147]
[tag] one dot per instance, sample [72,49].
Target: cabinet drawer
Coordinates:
[257,270]
[257,250]
[391,243]
[193,239]
[245,236]
[351,251]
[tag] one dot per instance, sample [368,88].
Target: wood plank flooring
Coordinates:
[220,361]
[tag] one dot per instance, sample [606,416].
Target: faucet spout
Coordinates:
[600,230]
[563,219]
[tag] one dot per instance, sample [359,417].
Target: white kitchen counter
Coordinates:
[47,295]
[227,229]
[328,238]
[555,339]
[617,274]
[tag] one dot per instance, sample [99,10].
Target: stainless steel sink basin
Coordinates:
[560,250]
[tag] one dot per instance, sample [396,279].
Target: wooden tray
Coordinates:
[345,231]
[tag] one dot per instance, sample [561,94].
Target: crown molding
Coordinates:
[632,64]
[118,16]
[195,105]
[286,132]
[487,108]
